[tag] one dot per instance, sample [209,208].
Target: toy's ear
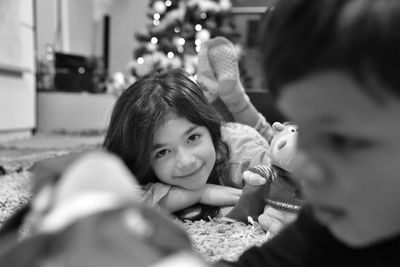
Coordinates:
[277,126]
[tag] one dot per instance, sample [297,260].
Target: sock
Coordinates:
[224,62]
[205,75]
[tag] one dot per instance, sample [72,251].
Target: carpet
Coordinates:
[213,240]
[17,156]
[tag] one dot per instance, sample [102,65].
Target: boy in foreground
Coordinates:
[335,67]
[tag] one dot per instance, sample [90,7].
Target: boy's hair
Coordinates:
[360,37]
[145,106]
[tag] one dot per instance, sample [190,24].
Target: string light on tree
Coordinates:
[198,45]
[140,60]
[198,27]
[176,32]
[154,40]
[159,7]
[170,55]
[156,16]
[181,41]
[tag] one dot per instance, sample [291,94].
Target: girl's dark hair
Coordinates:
[145,106]
[360,37]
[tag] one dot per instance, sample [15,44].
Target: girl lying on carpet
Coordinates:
[192,158]
[193,165]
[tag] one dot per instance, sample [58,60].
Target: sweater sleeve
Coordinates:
[247,148]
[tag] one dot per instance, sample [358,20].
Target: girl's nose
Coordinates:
[185,160]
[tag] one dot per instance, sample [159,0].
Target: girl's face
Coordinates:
[350,158]
[183,154]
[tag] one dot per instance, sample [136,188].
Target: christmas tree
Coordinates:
[176,32]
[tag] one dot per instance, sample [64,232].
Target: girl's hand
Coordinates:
[218,195]
[214,195]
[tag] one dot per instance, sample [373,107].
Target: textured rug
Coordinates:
[213,240]
[17,156]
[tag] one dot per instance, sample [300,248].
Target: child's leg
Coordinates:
[224,62]
[206,76]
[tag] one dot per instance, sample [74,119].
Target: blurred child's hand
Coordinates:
[218,195]
[253,178]
[273,220]
[48,171]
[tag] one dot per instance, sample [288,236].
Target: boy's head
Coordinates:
[145,107]
[359,37]
[334,63]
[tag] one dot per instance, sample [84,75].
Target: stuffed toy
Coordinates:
[91,216]
[282,193]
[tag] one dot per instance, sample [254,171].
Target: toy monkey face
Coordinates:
[283,145]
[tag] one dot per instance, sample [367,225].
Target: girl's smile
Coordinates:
[185,176]
[183,154]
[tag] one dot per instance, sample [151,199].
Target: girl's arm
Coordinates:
[219,195]
[215,195]
[179,198]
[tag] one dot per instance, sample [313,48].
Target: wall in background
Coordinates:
[248,16]
[127,18]
[17,71]
[67,25]
[80,27]
[76,27]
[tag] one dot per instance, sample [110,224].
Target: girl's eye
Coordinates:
[161,153]
[193,138]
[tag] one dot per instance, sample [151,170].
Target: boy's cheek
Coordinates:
[307,169]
